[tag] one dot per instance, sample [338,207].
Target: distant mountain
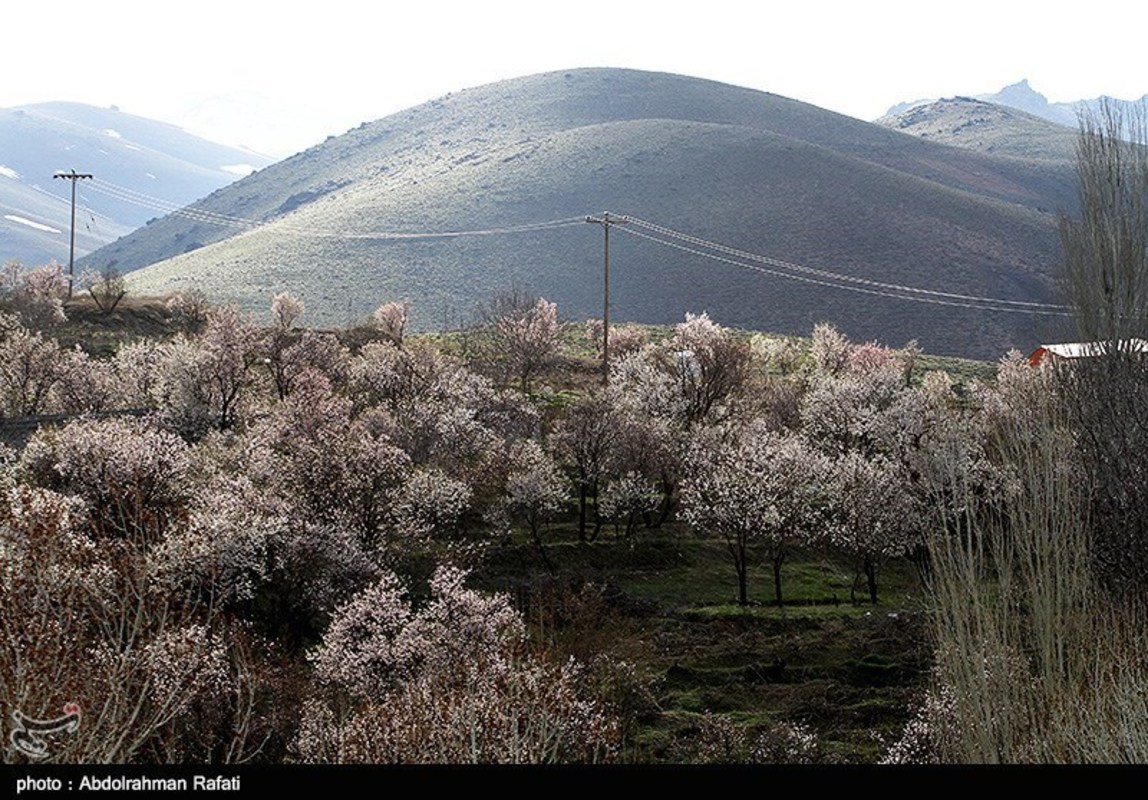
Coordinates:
[1023,97]
[988,128]
[743,168]
[142,169]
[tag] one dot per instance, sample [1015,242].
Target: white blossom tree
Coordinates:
[30,368]
[627,499]
[431,505]
[205,379]
[390,319]
[535,490]
[86,620]
[132,477]
[875,516]
[708,366]
[756,487]
[285,309]
[526,340]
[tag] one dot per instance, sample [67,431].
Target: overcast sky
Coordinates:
[327,66]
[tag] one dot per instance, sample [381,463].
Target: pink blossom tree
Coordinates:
[331,467]
[624,339]
[450,682]
[440,413]
[43,292]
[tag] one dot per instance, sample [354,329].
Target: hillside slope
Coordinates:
[141,168]
[744,168]
[987,128]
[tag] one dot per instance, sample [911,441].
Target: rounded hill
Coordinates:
[752,171]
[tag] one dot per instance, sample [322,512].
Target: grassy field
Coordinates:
[666,604]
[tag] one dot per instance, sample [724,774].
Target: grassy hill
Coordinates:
[748,169]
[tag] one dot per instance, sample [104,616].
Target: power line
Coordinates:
[654,232]
[127,195]
[74,177]
[605,221]
[982,304]
[836,276]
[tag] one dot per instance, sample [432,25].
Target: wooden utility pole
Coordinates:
[74,177]
[606,221]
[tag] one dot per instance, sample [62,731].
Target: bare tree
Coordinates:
[106,287]
[1106,282]
[1106,247]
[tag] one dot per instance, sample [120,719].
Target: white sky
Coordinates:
[337,63]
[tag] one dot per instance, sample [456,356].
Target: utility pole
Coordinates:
[606,221]
[74,177]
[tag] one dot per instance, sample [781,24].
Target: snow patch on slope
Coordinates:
[38,226]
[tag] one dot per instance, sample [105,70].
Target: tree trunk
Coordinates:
[871,575]
[778,558]
[742,569]
[597,516]
[581,510]
[737,551]
[537,536]
[667,501]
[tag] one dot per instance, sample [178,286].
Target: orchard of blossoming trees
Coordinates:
[260,543]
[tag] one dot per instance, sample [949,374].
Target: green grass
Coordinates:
[962,370]
[665,605]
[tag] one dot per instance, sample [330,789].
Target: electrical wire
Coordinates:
[983,304]
[835,276]
[651,231]
[199,215]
